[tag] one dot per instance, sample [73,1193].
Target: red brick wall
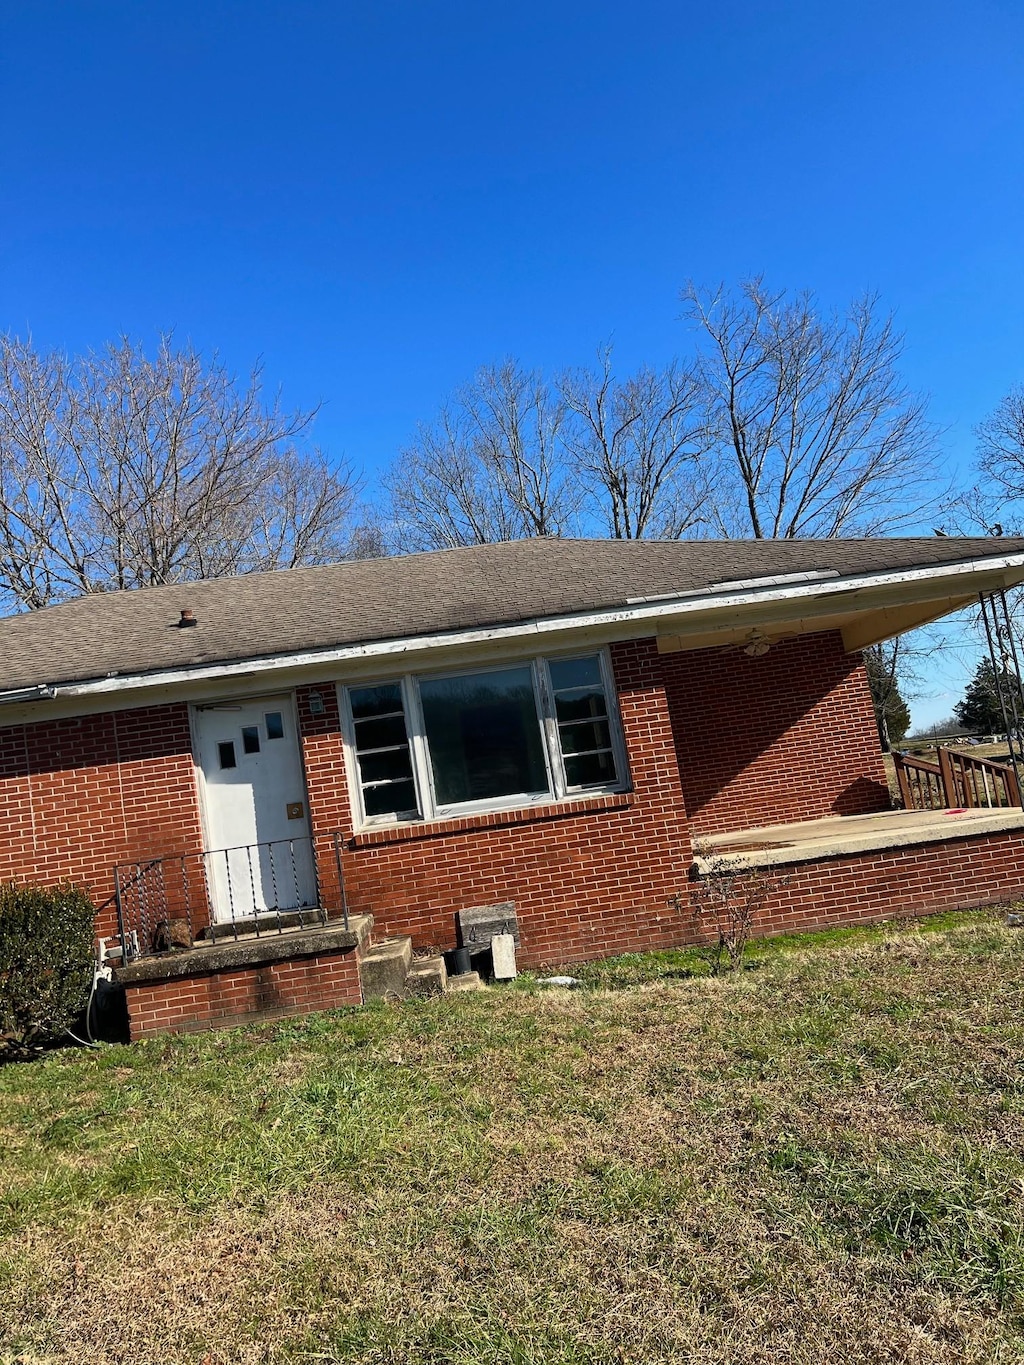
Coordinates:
[78,796]
[269,991]
[586,882]
[789,736]
[957,874]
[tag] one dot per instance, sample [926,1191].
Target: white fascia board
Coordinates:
[641,614]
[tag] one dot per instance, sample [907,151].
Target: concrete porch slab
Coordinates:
[250,951]
[810,840]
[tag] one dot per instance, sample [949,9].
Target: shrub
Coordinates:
[46,956]
[726,902]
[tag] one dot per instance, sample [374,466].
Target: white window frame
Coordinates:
[430,808]
[348,728]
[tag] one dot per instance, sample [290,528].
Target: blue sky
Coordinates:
[377,199]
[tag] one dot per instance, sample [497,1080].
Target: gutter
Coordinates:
[639,612]
[42,692]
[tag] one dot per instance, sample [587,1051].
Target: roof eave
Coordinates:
[687,612]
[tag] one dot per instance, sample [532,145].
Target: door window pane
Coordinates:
[483,736]
[250,739]
[226,751]
[275,725]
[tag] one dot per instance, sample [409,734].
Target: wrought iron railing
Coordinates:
[190,899]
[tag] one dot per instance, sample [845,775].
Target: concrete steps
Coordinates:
[388,971]
[468,981]
[428,976]
[384,969]
[258,926]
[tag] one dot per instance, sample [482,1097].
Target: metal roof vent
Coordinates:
[188,618]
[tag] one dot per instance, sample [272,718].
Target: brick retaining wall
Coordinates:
[919,879]
[244,995]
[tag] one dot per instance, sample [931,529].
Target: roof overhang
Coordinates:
[866,608]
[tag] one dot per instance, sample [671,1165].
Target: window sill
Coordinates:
[521,815]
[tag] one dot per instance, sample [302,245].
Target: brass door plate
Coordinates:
[296,810]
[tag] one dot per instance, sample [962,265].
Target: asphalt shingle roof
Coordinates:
[259,615]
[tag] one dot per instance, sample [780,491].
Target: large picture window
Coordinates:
[428,746]
[483,736]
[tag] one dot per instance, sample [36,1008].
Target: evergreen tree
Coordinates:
[980,711]
[892,715]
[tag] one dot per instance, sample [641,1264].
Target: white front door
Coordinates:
[259,857]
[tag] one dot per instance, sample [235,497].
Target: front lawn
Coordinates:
[821,1159]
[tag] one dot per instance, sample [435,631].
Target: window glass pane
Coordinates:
[393,798]
[581,709]
[579,705]
[382,750]
[575,673]
[380,734]
[226,750]
[577,739]
[384,699]
[391,765]
[589,770]
[483,735]
[250,739]
[275,725]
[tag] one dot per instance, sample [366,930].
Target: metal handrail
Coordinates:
[172,902]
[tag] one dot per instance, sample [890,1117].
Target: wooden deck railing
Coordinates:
[958,779]
[921,783]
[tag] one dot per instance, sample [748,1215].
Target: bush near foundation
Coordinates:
[46,956]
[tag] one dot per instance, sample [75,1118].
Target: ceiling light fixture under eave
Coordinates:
[756,645]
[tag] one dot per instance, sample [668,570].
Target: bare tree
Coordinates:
[812,431]
[886,664]
[635,446]
[1001,462]
[511,457]
[490,468]
[121,471]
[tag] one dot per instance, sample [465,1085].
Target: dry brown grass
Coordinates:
[818,1160]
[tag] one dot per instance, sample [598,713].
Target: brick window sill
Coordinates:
[463,824]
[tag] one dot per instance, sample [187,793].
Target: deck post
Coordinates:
[949,783]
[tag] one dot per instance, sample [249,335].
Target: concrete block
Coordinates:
[427,976]
[479,923]
[384,967]
[503,956]
[468,981]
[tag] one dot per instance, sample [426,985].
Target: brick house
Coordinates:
[261,778]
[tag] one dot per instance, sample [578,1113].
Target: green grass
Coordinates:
[820,1158]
